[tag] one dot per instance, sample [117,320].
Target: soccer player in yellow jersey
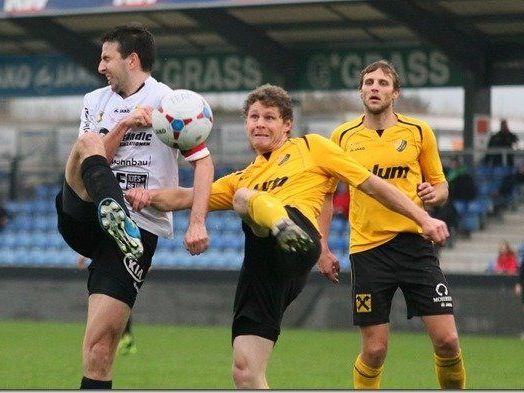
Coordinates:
[387,250]
[279,197]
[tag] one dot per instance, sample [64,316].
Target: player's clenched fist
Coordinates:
[138,198]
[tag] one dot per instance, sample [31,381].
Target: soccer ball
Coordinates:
[183,120]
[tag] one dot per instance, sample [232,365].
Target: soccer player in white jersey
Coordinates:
[116,150]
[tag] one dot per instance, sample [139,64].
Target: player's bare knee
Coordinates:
[375,354]
[244,375]
[98,360]
[244,378]
[241,199]
[447,345]
[89,144]
[240,373]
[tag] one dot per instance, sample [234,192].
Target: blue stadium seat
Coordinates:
[483,172]
[500,171]
[337,243]
[231,260]
[338,224]
[22,221]
[234,241]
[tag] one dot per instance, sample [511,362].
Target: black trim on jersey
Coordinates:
[379,132]
[415,125]
[136,91]
[307,143]
[349,129]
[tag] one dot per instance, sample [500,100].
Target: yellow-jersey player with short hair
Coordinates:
[388,251]
[401,155]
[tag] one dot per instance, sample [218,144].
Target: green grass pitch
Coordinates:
[44,355]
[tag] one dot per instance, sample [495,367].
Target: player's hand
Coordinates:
[426,192]
[518,289]
[196,240]
[328,265]
[435,230]
[138,198]
[140,117]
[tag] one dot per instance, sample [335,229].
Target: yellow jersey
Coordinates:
[300,173]
[405,155]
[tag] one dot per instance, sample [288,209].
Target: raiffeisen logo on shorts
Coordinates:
[133,268]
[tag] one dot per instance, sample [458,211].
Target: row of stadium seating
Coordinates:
[31,238]
[473,215]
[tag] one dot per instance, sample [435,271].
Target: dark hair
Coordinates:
[270,95]
[133,37]
[386,67]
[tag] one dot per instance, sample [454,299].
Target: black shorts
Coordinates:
[110,272]
[270,279]
[407,261]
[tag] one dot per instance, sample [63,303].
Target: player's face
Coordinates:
[377,92]
[266,130]
[114,67]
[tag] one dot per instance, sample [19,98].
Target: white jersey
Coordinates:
[142,160]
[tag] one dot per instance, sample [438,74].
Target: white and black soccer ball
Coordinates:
[183,120]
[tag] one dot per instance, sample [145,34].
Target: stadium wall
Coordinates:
[484,304]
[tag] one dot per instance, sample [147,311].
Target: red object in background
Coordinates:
[507,263]
[341,201]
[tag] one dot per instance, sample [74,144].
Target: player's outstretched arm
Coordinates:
[395,200]
[164,199]
[196,239]
[327,263]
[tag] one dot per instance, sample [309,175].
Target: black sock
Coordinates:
[88,383]
[100,182]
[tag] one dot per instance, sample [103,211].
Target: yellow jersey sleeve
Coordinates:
[222,192]
[336,163]
[429,158]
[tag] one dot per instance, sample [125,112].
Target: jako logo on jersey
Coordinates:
[122,110]
[400,145]
[391,172]
[356,148]
[133,268]
[271,184]
[283,159]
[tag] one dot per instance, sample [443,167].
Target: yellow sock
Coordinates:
[266,210]
[451,373]
[365,377]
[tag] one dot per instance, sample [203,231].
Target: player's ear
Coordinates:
[288,125]
[134,61]
[396,94]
